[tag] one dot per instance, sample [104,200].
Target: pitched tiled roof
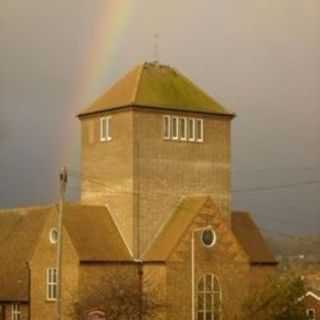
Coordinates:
[156,86]
[91,229]
[243,227]
[19,232]
[171,233]
[251,239]
[94,234]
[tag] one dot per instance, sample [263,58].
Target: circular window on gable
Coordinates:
[208,238]
[53,236]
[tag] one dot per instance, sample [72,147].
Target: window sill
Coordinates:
[182,140]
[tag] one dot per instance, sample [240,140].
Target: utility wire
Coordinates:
[249,170]
[76,175]
[255,189]
[278,187]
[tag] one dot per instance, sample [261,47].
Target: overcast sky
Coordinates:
[260,59]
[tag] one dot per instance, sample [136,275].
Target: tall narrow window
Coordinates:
[183,128]
[191,129]
[15,312]
[199,130]
[51,284]
[209,298]
[166,127]
[175,128]
[105,129]
[311,314]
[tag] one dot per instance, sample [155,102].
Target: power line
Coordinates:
[249,170]
[255,189]
[281,234]
[284,186]
[113,192]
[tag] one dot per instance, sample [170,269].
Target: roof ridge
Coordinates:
[138,83]
[156,85]
[182,205]
[164,224]
[40,232]
[114,222]
[199,89]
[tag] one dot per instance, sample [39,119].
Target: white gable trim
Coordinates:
[309,294]
[313,295]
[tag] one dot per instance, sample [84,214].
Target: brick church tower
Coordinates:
[148,142]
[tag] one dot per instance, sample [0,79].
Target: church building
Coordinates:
[155,206]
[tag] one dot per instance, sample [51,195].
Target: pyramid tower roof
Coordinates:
[157,86]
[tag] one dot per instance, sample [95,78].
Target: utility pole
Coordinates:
[63,179]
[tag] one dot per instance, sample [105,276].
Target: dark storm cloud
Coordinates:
[261,59]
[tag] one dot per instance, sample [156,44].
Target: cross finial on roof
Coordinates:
[156,47]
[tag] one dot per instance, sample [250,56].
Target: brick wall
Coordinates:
[226,260]
[312,303]
[7,311]
[141,177]
[107,169]
[167,170]
[45,257]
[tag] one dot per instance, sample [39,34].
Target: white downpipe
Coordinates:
[193,268]
[192,275]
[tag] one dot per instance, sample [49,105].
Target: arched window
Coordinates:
[209,298]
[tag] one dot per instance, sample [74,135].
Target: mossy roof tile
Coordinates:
[156,86]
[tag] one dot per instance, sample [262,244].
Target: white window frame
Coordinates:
[167,127]
[191,137]
[52,284]
[175,120]
[109,127]
[105,129]
[214,238]
[212,293]
[183,135]
[52,238]
[199,122]
[15,311]
[314,313]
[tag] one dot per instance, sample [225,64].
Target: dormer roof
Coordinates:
[93,233]
[157,86]
[242,226]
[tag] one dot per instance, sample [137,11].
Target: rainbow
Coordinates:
[102,52]
[99,60]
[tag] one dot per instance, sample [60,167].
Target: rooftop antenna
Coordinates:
[156,48]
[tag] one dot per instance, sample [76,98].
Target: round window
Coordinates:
[208,238]
[53,236]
